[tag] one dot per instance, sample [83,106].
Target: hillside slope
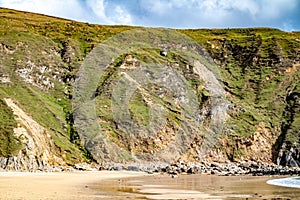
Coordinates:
[256,69]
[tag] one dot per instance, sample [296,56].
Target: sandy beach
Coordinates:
[136,185]
[59,186]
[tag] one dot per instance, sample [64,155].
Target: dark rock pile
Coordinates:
[214,168]
[230,169]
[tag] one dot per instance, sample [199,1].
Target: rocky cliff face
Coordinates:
[258,80]
[38,150]
[260,71]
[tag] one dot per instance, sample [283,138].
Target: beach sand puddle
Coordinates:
[196,187]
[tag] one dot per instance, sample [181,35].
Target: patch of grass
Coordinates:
[9,144]
[139,109]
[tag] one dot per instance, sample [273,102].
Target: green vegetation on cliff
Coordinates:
[9,145]
[259,69]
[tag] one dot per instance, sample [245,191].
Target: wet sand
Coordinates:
[195,187]
[58,186]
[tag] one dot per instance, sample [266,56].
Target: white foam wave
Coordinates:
[293,182]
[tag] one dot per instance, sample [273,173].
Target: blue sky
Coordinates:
[282,14]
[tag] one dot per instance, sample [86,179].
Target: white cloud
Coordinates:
[109,13]
[122,16]
[66,9]
[167,13]
[159,7]
[98,7]
[287,26]
[218,13]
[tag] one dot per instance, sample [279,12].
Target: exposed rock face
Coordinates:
[149,126]
[288,157]
[4,78]
[39,75]
[249,112]
[268,117]
[68,53]
[39,152]
[289,153]
[6,49]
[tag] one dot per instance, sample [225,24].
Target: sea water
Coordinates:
[293,182]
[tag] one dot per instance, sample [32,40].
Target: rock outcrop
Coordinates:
[38,149]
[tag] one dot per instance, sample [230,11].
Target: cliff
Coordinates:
[233,97]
